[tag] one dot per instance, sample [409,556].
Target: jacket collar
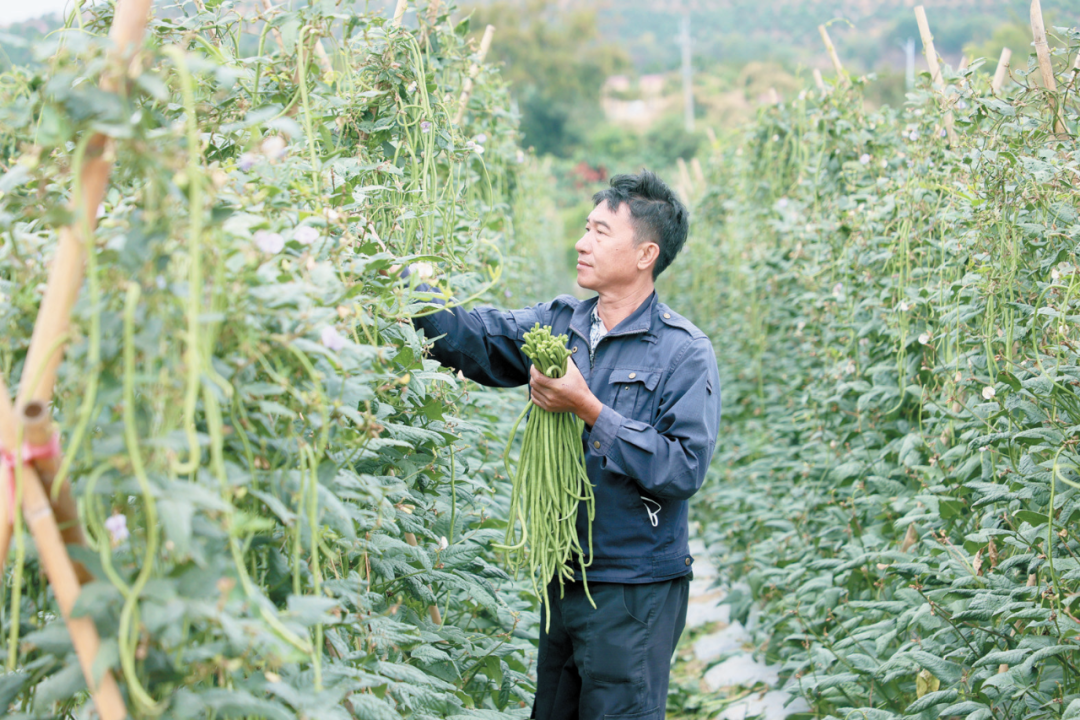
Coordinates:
[639,321]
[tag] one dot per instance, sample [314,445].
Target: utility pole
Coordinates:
[687,72]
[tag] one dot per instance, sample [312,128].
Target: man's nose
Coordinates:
[582,245]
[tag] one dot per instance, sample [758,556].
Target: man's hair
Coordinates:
[656,214]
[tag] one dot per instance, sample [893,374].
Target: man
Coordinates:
[644,381]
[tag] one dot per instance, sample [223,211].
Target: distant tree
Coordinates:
[557,62]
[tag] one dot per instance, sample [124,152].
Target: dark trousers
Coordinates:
[611,663]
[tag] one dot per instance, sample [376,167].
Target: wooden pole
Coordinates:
[399,12]
[699,173]
[39,432]
[466,93]
[1046,67]
[818,80]
[60,571]
[831,49]
[1002,70]
[935,66]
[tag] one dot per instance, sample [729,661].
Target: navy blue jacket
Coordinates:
[656,375]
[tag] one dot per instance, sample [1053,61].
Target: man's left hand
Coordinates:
[566,394]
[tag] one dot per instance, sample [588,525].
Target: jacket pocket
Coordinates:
[632,391]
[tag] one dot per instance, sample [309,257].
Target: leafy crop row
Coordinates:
[289,509]
[898,319]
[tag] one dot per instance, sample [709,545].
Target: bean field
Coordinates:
[895,317]
[290,512]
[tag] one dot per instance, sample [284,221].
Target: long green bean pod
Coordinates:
[549,483]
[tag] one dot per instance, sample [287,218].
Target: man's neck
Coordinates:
[615,306]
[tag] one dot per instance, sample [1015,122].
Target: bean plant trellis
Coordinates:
[287,511]
[897,316]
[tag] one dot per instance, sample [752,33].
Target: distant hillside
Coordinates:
[868,33]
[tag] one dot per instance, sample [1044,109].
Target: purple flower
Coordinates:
[425,126]
[481,138]
[305,235]
[269,242]
[864,159]
[116,524]
[332,339]
[246,162]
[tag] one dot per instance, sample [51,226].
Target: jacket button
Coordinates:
[574,350]
[633,375]
[688,561]
[667,316]
[596,444]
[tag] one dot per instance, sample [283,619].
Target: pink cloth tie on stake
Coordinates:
[30,453]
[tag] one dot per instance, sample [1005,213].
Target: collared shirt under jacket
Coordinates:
[648,452]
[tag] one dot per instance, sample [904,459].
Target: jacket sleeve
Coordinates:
[667,459]
[484,343]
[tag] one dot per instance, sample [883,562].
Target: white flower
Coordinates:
[479,150]
[802,94]
[443,544]
[960,376]
[269,242]
[904,307]
[884,163]
[924,338]
[331,214]
[782,203]
[332,339]
[520,156]
[305,235]
[273,147]
[481,138]
[838,290]
[116,524]
[849,368]
[1055,275]
[984,448]
[412,87]
[160,282]
[988,393]
[864,159]
[776,138]
[424,270]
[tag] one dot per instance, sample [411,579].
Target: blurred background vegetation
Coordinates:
[598,87]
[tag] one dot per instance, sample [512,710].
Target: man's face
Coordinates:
[607,256]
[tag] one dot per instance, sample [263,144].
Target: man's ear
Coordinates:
[648,254]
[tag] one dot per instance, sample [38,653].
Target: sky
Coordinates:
[18,10]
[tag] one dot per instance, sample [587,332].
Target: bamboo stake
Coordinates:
[466,92]
[935,67]
[39,432]
[818,80]
[59,569]
[1046,67]
[433,11]
[699,174]
[1002,69]
[399,12]
[831,49]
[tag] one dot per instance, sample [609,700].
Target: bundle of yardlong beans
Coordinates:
[549,483]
